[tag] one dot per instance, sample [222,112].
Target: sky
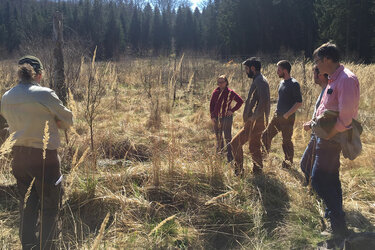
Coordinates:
[195,3]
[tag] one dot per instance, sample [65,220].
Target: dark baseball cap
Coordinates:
[253,61]
[33,61]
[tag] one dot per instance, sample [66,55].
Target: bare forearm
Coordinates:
[291,111]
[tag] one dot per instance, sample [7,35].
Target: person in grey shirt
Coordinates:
[290,99]
[27,108]
[255,117]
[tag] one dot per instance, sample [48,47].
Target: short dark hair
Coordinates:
[328,50]
[285,65]
[253,61]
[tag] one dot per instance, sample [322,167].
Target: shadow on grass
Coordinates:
[356,219]
[365,240]
[275,199]
[296,173]
[9,197]
[231,225]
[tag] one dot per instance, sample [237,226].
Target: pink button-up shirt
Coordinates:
[342,95]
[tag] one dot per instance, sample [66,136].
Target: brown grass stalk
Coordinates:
[100,236]
[27,195]
[45,144]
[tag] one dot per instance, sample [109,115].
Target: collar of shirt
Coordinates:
[26,83]
[224,90]
[256,76]
[336,74]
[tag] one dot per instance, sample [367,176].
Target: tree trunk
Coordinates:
[58,72]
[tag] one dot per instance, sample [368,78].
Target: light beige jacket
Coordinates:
[27,107]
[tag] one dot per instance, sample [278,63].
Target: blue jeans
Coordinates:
[325,181]
[308,158]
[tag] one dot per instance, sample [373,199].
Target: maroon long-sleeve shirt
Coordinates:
[221,102]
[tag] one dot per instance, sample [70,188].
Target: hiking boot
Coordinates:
[257,170]
[229,158]
[286,165]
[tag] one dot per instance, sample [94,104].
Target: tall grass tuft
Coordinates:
[45,144]
[27,195]
[99,238]
[7,146]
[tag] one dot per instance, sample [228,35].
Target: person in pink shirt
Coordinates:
[222,109]
[341,95]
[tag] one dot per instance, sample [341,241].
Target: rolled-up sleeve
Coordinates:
[348,101]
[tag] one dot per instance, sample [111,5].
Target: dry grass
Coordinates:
[165,188]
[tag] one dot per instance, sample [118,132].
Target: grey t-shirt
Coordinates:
[289,94]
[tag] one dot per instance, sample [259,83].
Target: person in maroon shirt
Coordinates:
[222,114]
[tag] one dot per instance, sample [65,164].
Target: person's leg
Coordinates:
[28,215]
[272,129]
[286,127]
[227,128]
[49,194]
[219,135]
[255,144]
[28,210]
[236,144]
[325,181]
[308,158]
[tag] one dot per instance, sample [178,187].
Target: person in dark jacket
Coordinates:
[222,113]
[255,117]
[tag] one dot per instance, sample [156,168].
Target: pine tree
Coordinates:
[113,35]
[166,32]
[146,28]
[134,30]
[156,31]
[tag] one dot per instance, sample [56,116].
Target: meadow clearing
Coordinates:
[153,179]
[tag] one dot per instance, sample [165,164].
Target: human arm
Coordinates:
[63,116]
[239,103]
[292,110]
[348,102]
[297,97]
[263,94]
[213,101]
[307,126]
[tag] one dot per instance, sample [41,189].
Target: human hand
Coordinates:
[59,124]
[229,113]
[285,116]
[307,126]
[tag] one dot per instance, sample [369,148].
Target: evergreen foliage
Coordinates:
[223,27]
